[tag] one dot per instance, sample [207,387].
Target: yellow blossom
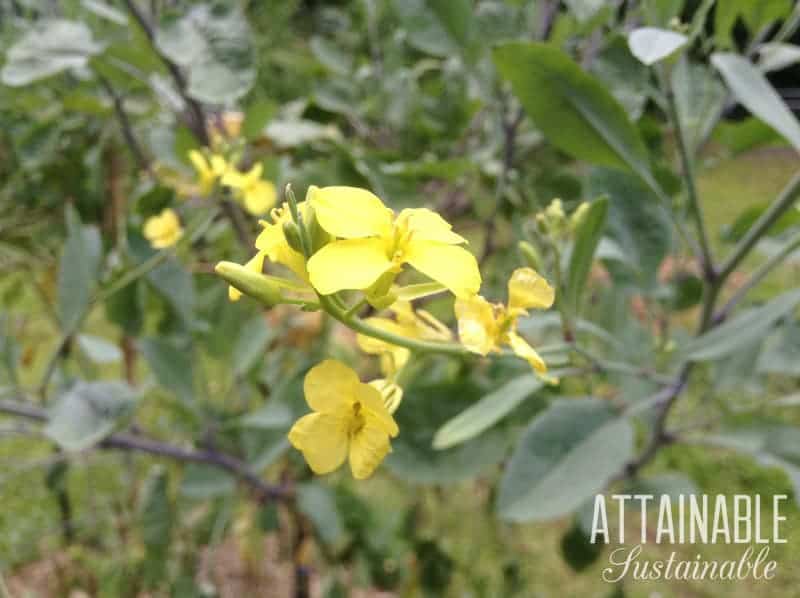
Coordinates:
[407,323]
[349,420]
[485,327]
[208,171]
[272,244]
[374,242]
[163,230]
[258,195]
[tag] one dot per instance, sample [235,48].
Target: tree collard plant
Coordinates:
[561,140]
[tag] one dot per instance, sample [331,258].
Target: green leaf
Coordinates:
[456,17]
[572,108]
[777,56]
[486,412]
[587,237]
[105,11]
[747,327]
[155,512]
[318,504]
[214,44]
[651,44]
[577,549]
[254,337]
[273,415]
[584,9]
[87,413]
[771,444]
[172,366]
[256,118]
[734,232]
[77,271]
[423,28]
[699,99]
[202,482]
[781,354]
[48,48]
[755,93]
[636,221]
[99,349]
[566,455]
[425,410]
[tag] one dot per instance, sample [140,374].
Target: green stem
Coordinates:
[198,229]
[784,201]
[760,273]
[691,187]
[363,327]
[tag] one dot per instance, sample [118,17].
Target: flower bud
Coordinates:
[251,283]
[531,256]
[292,234]
[578,216]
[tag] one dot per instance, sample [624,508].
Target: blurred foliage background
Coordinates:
[143,444]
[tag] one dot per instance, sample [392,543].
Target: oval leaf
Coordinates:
[572,108]
[566,455]
[486,412]
[651,44]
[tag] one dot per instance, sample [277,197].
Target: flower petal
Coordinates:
[348,264]
[350,212]
[477,327]
[427,225]
[373,346]
[375,410]
[199,162]
[527,289]
[521,347]
[453,266]
[322,438]
[330,385]
[367,449]
[260,197]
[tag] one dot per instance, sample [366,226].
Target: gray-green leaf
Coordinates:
[756,94]
[50,47]
[651,44]
[486,412]
[88,412]
[566,455]
[747,327]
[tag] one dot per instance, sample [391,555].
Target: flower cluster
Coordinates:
[342,240]
[215,169]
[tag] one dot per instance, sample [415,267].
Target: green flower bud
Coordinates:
[578,216]
[292,234]
[256,285]
[531,256]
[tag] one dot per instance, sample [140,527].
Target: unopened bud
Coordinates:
[578,216]
[254,284]
[292,234]
[530,255]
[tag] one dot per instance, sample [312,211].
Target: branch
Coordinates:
[197,117]
[134,442]
[784,201]
[709,273]
[756,277]
[125,124]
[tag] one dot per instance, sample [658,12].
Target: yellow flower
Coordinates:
[485,327]
[375,242]
[349,419]
[408,323]
[272,244]
[163,230]
[257,195]
[208,171]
